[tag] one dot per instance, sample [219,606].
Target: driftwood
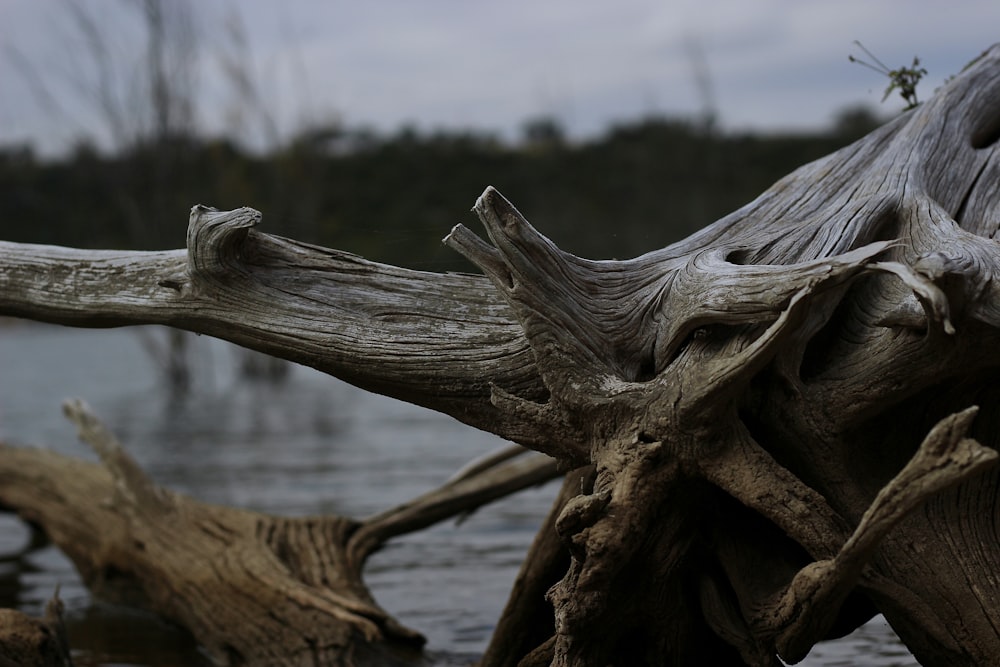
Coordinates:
[780,411]
[293,587]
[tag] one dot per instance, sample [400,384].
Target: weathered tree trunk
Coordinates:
[779,410]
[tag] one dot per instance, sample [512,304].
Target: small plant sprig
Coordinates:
[904,79]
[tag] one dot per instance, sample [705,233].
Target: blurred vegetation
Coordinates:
[638,187]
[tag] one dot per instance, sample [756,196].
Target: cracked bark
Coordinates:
[780,411]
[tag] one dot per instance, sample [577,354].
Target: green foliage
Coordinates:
[641,186]
[903,79]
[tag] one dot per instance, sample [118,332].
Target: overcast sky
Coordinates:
[436,64]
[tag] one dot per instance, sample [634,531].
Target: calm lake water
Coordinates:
[308,445]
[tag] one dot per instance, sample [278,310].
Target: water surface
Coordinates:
[308,445]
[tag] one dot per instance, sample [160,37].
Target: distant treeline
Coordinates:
[640,186]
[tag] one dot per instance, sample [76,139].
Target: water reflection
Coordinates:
[17,542]
[102,634]
[872,645]
[306,445]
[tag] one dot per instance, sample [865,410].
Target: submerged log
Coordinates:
[781,410]
[252,588]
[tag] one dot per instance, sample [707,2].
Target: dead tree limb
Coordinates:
[779,409]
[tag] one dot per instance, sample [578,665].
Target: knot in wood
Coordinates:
[215,238]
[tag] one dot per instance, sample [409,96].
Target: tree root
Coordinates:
[650,436]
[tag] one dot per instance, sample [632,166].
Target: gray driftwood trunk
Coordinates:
[777,427]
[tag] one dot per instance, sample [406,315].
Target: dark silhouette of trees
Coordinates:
[327,185]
